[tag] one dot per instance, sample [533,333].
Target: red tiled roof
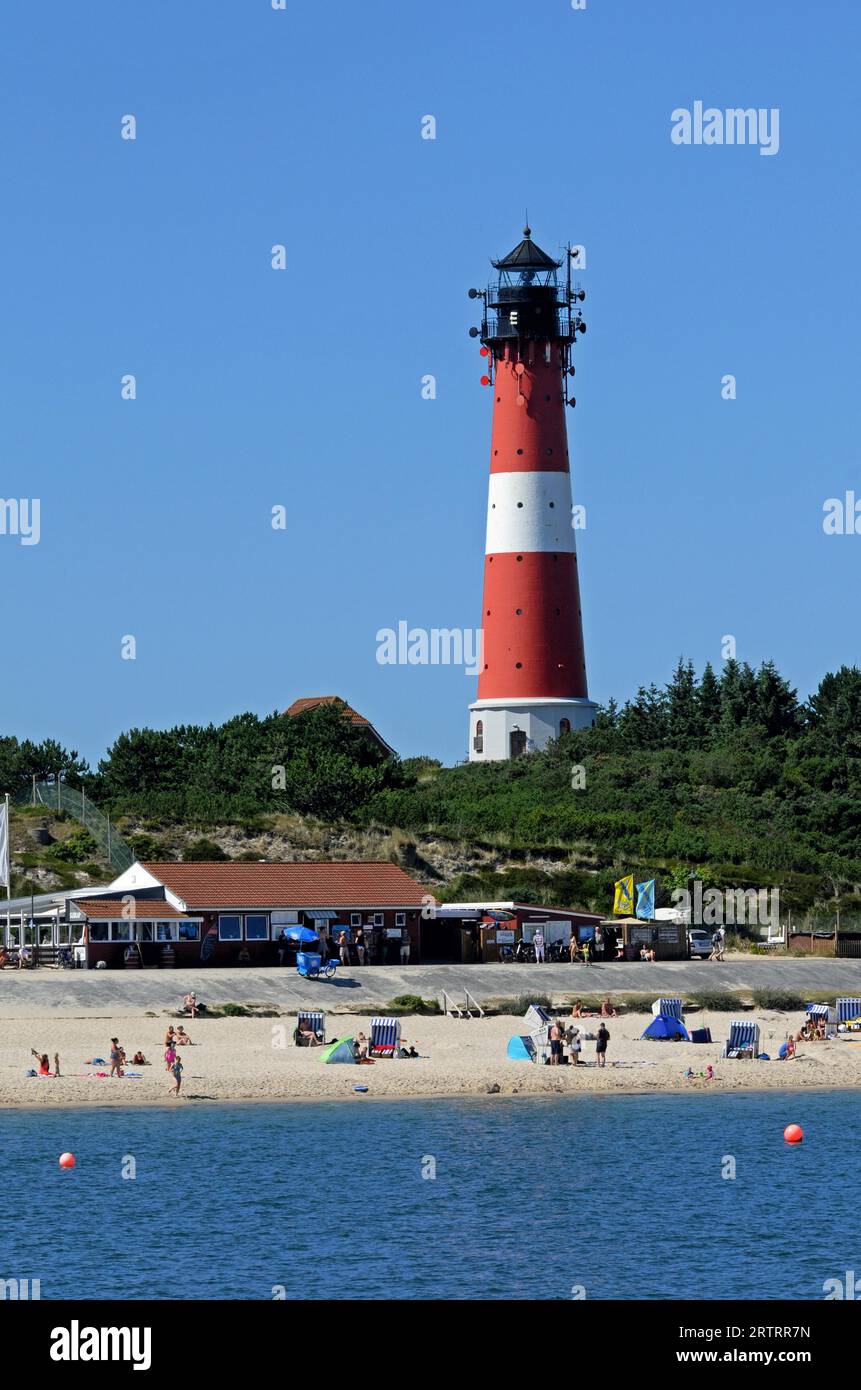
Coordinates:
[145,909]
[357,720]
[313,701]
[336,885]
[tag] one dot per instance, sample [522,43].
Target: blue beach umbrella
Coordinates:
[303,934]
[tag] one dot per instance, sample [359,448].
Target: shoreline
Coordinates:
[656,1092]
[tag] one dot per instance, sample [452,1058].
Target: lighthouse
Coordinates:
[532,682]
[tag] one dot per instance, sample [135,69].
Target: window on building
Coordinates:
[378,919]
[99,931]
[166,931]
[121,931]
[564,726]
[189,931]
[400,919]
[478,741]
[229,928]
[256,927]
[355,919]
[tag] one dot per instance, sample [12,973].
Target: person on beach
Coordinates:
[182,1039]
[586,951]
[56,1064]
[169,1036]
[343,949]
[573,948]
[139,1060]
[116,1058]
[42,1059]
[190,1002]
[176,1068]
[575,1047]
[607,1010]
[360,945]
[601,1045]
[555,1036]
[169,1055]
[360,1047]
[307,1035]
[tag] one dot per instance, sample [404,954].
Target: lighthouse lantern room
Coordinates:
[532,682]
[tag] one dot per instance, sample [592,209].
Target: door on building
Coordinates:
[517,743]
[440,942]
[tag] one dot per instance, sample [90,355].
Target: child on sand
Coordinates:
[176,1068]
[56,1064]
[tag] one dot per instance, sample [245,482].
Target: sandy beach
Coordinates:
[236,1059]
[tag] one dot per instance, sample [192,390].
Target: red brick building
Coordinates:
[234,913]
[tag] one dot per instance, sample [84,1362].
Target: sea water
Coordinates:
[646,1197]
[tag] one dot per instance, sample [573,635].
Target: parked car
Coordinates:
[699,943]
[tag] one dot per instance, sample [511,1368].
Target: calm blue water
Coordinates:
[621,1194]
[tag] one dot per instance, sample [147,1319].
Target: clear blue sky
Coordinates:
[302,127]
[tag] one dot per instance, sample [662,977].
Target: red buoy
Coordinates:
[67,1160]
[793,1134]
[485,381]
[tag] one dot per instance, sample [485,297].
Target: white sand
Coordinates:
[237,1059]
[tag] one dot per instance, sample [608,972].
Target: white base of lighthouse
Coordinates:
[500,729]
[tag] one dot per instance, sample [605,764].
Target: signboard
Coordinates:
[668,932]
[393,933]
[642,934]
[505,936]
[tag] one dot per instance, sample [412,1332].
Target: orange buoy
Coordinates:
[67,1160]
[793,1134]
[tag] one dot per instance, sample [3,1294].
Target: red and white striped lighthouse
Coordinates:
[532,684]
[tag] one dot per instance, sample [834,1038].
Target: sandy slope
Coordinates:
[244,1059]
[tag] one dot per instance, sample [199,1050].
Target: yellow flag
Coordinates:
[623,899]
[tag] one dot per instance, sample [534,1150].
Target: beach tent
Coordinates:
[665,1026]
[670,1008]
[521,1049]
[341,1050]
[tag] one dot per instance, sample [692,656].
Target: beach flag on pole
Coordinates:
[623,898]
[4,844]
[646,899]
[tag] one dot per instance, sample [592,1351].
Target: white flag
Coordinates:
[4,846]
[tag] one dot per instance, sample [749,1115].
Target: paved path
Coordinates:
[107,993]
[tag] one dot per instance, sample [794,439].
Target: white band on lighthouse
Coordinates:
[529,513]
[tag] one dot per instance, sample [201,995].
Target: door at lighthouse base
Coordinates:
[517,743]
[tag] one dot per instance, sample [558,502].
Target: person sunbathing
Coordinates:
[307,1035]
[360,1047]
[607,1010]
[182,1039]
[139,1060]
[44,1063]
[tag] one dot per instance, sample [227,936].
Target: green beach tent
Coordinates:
[341,1050]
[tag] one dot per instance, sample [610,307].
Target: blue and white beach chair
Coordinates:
[670,1008]
[385,1037]
[317,1021]
[848,1009]
[536,1017]
[743,1037]
[818,1011]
